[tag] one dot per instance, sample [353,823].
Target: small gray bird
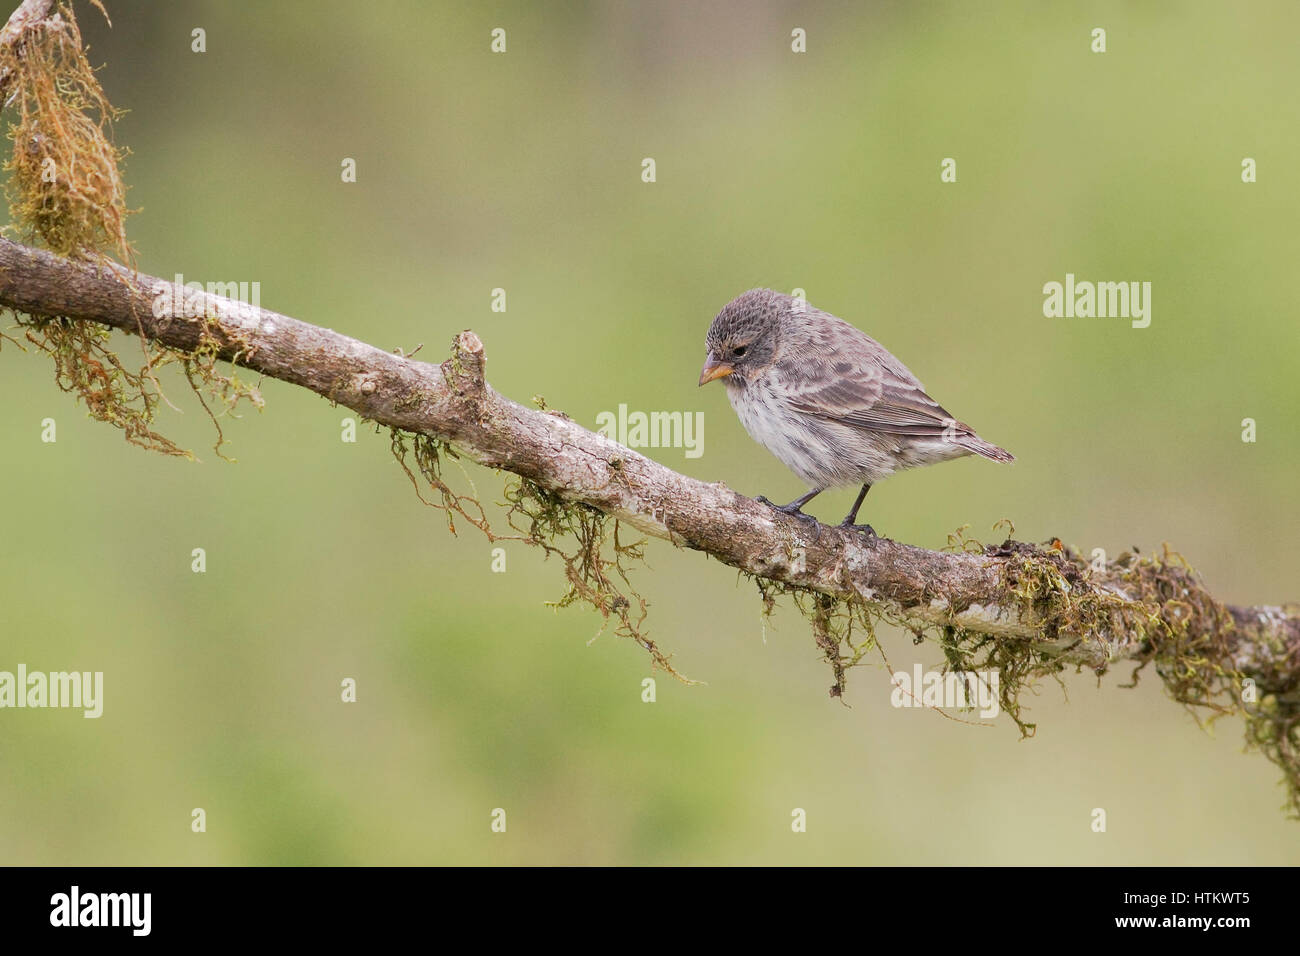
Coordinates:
[831,403]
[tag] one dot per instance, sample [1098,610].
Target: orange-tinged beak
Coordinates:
[714,368]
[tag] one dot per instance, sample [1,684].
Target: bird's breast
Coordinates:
[795,441]
[823,453]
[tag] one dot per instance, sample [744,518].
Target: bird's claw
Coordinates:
[866,529]
[791,509]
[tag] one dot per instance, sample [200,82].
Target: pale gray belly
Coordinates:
[825,454]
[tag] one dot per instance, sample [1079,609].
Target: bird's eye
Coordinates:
[738,350]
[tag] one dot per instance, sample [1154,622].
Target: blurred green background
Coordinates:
[522,171]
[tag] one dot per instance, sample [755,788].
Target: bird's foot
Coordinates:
[791,509]
[866,529]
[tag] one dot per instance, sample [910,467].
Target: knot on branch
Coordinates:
[464,371]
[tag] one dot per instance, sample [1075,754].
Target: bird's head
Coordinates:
[743,338]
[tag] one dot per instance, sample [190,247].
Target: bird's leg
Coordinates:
[793,507]
[853,513]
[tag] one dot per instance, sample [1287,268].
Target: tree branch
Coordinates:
[1045,602]
[26,16]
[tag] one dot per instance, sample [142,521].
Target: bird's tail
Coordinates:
[989,450]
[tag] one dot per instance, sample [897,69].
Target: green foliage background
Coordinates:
[523,171]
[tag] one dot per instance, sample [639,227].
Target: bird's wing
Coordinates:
[840,374]
[899,408]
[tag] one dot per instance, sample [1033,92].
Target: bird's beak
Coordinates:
[714,368]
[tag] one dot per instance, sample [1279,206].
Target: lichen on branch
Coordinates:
[66,191]
[597,562]
[65,183]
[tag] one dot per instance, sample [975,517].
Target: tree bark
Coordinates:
[455,403]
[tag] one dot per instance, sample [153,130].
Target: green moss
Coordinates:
[596,561]
[844,630]
[66,192]
[1157,603]
[1179,629]
[65,185]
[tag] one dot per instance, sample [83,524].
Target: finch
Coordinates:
[827,400]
